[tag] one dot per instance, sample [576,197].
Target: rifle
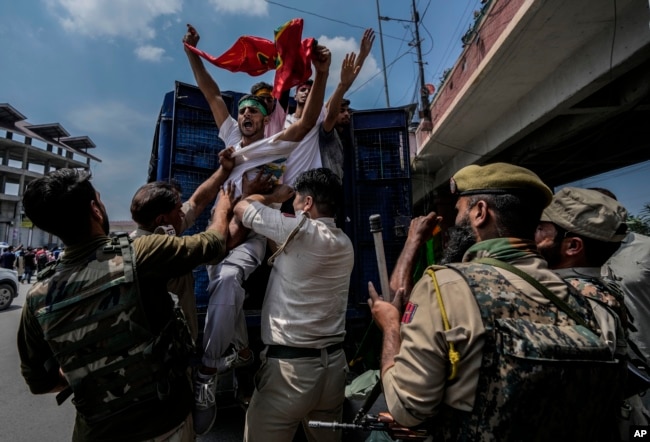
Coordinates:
[370,422]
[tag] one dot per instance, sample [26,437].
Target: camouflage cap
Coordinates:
[588,213]
[499,178]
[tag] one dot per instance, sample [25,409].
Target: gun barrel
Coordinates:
[334,425]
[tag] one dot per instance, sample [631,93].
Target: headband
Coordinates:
[253,103]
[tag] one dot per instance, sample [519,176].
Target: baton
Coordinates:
[376,230]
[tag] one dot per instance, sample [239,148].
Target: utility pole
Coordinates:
[425,112]
[383,58]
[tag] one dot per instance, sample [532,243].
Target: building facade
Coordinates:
[27,152]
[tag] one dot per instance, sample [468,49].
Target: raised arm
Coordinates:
[321,59]
[207,191]
[349,71]
[204,80]
[364,50]
[420,231]
[366,45]
[223,210]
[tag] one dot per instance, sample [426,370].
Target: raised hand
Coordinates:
[349,69]
[321,58]
[191,37]
[366,43]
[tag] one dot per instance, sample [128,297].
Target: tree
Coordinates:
[641,222]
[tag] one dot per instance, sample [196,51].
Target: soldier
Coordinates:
[157,208]
[490,348]
[579,232]
[100,323]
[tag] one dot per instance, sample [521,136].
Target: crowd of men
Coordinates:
[516,337]
[27,262]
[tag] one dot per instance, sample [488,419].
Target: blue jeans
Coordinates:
[29,271]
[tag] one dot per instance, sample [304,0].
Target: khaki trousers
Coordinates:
[291,391]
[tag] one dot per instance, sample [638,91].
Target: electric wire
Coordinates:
[324,18]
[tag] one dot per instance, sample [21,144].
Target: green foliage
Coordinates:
[641,222]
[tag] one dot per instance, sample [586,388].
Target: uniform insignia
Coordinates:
[452,185]
[409,312]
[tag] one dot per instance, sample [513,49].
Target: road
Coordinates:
[27,417]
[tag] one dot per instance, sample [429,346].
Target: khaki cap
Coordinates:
[499,178]
[588,213]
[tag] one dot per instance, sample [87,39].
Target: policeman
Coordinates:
[579,232]
[101,324]
[490,348]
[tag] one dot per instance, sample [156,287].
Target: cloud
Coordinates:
[149,53]
[123,137]
[339,46]
[112,18]
[247,7]
[110,118]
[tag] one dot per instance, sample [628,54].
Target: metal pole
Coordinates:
[383,58]
[376,229]
[424,95]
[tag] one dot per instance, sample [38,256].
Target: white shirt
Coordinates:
[270,153]
[307,155]
[306,296]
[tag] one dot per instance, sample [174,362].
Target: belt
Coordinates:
[285,352]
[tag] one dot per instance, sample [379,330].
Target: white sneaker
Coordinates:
[234,360]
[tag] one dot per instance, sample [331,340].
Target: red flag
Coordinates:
[294,56]
[253,55]
[288,55]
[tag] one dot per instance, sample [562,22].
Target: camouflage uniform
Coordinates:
[70,312]
[521,375]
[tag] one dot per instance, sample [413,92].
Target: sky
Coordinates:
[101,68]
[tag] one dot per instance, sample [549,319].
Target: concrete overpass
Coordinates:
[561,87]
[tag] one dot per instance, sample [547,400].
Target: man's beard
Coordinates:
[106,224]
[461,238]
[551,254]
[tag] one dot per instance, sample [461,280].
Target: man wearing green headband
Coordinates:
[246,134]
[498,347]
[277,108]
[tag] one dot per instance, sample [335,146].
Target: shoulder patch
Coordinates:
[289,215]
[409,313]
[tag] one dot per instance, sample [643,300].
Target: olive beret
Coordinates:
[499,178]
[588,213]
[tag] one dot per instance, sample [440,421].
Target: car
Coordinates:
[8,287]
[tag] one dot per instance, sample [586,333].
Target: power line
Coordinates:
[456,34]
[323,17]
[380,71]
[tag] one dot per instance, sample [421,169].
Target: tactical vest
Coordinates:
[95,324]
[542,377]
